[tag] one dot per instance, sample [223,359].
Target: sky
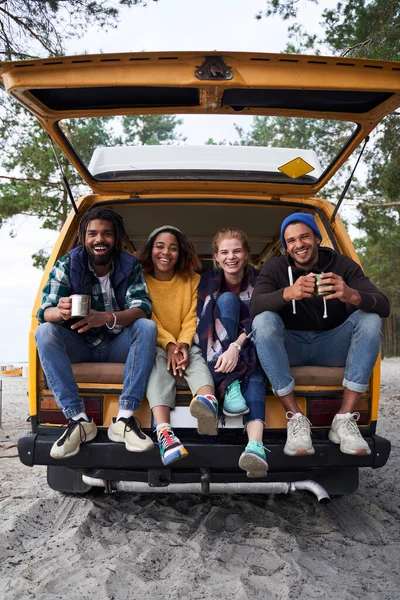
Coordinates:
[164,25]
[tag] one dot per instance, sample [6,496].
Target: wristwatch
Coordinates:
[238,346]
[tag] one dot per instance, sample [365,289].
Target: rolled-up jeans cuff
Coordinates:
[72,411]
[355,387]
[284,391]
[128,405]
[252,421]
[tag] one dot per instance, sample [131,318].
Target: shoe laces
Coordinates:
[259,445]
[166,438]
[299,425]
[234,391]
[68,432]
[350,424]
[133,424]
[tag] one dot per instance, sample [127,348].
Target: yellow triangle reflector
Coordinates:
[296,168]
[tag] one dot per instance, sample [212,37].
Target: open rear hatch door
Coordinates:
[359,93]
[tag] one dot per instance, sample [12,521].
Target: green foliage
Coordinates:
[380,213]
[301,42]
[33,28]
[87,134]
[357,28]
[39,28]
[384,161]
[364,29]
[33,186]
[287,9]
[150,130]
[40,258]
[380,255]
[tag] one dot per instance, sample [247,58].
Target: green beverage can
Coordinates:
[320,291]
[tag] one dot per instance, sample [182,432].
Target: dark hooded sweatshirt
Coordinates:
[274,277]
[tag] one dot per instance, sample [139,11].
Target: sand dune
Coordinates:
[139,547]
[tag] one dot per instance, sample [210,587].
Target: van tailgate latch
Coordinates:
[213,69]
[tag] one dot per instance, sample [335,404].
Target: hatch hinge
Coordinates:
[213,69]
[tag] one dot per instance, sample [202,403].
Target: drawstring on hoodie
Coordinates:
[290,274]
[325,309]
[291,283]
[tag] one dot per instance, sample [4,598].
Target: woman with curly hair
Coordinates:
[169,262]
[224,335]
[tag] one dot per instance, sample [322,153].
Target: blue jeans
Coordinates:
[354,344]
[253,387]
[58,347]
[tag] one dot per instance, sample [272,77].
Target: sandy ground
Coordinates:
[139,547]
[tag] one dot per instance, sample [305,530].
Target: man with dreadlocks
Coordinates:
[117,329]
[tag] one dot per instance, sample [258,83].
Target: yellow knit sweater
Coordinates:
[174,308]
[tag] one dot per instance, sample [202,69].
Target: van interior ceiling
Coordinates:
[260,222]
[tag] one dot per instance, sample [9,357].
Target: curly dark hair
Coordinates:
[188,262]
[105,214]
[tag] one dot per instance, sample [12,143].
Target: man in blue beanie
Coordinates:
[295,327]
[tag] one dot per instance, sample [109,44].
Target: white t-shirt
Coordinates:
[106,287]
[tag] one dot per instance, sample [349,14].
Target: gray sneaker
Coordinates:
[344,431]
[76,433]
[128,432]
[298,435]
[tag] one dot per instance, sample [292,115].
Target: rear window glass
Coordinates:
[260,148]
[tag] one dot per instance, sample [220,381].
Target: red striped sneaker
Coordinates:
[170,446]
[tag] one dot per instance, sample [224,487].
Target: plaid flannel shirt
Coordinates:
[58,286]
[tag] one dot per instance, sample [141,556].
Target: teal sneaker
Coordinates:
[254,459]
[234,403]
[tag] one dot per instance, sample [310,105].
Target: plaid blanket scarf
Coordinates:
[211,335]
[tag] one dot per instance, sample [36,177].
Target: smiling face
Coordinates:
[232,259]
[164,254]
[100,243]
[302,245]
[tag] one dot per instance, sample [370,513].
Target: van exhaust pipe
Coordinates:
[276,487]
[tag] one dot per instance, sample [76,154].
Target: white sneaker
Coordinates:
[344,431]
[128,432]
[298,435]
[76,433]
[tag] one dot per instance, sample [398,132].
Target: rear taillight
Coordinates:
[322,410]
[50,413]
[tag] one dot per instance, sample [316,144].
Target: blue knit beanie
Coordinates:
[305,218]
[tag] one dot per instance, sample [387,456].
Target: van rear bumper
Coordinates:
[108,460]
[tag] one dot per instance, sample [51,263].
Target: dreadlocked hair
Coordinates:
[105,214]
[188,262]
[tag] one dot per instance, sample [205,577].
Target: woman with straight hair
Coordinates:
[224,336]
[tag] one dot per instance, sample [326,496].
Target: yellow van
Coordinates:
[200,189]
